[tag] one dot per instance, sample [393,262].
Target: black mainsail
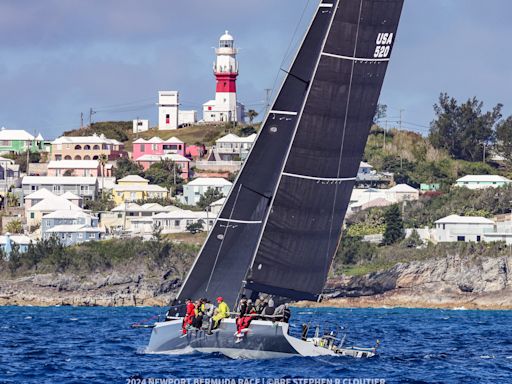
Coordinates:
[279,228]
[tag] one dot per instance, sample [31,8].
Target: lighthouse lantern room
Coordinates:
[225,106]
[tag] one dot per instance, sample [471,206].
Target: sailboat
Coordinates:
[279,228]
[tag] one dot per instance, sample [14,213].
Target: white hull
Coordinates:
[263,340]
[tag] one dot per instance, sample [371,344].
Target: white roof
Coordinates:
[232,138]
[80,164]
[15,134]
[171,156]
[60,180]
[140,187]
[54,203]
[18,239]
[219,202]
[402,188]
[181,214]
[456,219]
[140,140]
[127,207]
[42,193]
[226,36]
[174,139]
[364,164]
[485,178]
[70,196]
[155,140]
[66,214]
[39,137]
[94,139]
[133,178]
[153,207]
[210,182]
[10,161]
[74,228]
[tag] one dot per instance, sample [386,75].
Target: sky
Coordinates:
[60,58]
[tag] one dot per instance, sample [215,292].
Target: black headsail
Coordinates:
[222,264]
[302,230]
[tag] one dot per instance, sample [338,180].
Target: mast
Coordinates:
[303,226]
[224,259]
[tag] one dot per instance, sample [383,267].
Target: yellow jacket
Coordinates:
[223,310]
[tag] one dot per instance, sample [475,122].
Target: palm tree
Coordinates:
[251,113]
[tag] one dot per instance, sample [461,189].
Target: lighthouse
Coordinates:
[225,107]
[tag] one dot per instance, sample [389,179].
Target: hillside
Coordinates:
[195,134]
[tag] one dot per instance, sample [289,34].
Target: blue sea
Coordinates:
[97,345]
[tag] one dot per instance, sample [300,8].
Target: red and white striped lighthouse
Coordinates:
[225,106]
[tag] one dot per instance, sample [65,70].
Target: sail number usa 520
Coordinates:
[384,41]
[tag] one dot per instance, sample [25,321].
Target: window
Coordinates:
[78,147]
[34,187]
[167,119]
[84,188]
[461,238]
[80,235]
[87,147]
[177,223]
[32,215]
[142,148]
[444,226]
[57,188]
[96,147]
[6,143]
[478,238]
[155,147]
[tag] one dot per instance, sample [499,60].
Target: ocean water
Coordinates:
[97,345]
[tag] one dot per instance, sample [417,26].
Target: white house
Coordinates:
[463,228]
[482,181]
[140,125]
[48,205]
[373,197]
[193,190]
[168,105]
[177,220]
[232,146]
[85,187]
[403,192]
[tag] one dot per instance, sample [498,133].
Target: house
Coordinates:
[70,227]
[194,189]
[233,147]
[403,192]
[9,174]
[181,162]
[86,148]
[216,206]
[133,187]
[85,187]
[424,187]
[50,204]
[176,220]
[140,125]
[7,242]
[463,228]
[368,177]
[37,196]
[90,168]
[18,140]
[157,146]
[482,181]
[121,217]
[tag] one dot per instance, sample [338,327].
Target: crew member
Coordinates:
[222,312]
[189,315]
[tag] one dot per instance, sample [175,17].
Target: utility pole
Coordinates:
[385,129]
[81,120]
[91,112]
[268,92]
[483,157]
[400,121]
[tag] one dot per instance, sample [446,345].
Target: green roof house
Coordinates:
[18,140]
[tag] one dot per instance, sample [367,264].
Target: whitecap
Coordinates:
[487,357]
[73,319]
[28,318]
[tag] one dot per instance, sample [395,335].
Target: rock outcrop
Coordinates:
[449,282]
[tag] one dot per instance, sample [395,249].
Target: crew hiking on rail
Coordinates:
[204,315]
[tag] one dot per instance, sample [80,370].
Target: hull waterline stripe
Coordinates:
[239,221]
[352,58]
[284,113]
[319,178]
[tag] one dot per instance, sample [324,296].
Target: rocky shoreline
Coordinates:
[452,282]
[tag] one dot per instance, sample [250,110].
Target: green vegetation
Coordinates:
[211,195]
[394,225]
[49,256]
[125,167]
[117,130]
[165,173]
[14,226]
[21,159]
[355,257]
[196,227]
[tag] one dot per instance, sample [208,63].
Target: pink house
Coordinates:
[157,146]
[182,163]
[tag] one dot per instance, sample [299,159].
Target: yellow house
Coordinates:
[133,187]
